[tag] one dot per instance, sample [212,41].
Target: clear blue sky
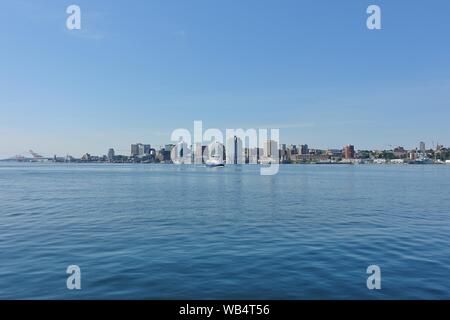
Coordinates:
[139,69]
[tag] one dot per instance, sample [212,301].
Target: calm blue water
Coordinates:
[162,231]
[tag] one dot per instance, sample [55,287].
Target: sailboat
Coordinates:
[216,158]
[214,161]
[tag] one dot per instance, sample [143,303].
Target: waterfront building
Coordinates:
[397,161]
[166,155]
[293,149]
[168,147]
[253,156]
[135,150]
[304,149]
[271,149]
[198,153]
[379,161]
[111,154]
[141,150]
[335,153]
[284,153]
[348,152]
[422,147]
[166,152]
[234,151]
[246,155]
[400,152]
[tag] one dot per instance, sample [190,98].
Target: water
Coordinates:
[163,231]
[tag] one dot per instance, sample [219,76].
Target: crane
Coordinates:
[35,155]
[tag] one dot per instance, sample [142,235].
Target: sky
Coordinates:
[137,70]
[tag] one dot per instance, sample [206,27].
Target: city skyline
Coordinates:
[124,148]
[239,152]
[136,72]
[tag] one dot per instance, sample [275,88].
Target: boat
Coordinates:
[215,151]
[422,160]
[214,161]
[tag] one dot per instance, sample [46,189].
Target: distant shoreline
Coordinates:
[243,164]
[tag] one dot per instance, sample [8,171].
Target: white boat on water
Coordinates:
[214,162]
[215,155]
